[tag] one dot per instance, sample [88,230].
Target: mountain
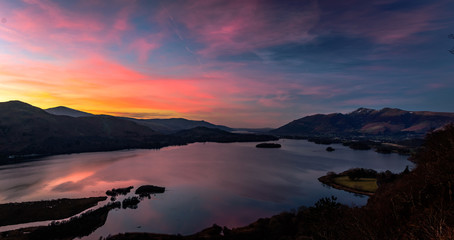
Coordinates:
[367,122]
[27,132]
[173,125]
[25,129]
[165,126]
[65,111]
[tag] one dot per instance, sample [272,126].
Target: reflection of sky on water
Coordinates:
[228,184]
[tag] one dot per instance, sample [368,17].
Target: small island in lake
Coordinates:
[147,190]
[119,191]
[330,149]
[268,145]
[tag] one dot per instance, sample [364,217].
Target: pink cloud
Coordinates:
[143,46]
[384,27]
[101,84]
[46,28]
[232,27]
[435,85]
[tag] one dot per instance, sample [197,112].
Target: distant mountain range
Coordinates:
[173,125]
[387,122]
[27,131]
[165,126]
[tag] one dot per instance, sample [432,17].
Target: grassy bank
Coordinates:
[362,184]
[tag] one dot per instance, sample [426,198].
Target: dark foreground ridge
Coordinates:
[417,204]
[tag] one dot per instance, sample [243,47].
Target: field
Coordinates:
[363,184]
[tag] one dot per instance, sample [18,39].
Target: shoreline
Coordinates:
[46,210]
[327,180]
[398,149]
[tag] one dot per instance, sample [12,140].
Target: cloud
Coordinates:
[233,27]
[383,22]
[52,29]
[143,46]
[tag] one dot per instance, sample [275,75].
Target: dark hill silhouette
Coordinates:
[25,129]
[173,125]
[65,111]
[28,132]
[367,122]
[166,126]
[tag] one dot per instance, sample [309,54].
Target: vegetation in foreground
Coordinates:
[418,204]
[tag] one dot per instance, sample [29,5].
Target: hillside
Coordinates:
[28,132]
[25,129]
[173,125]
[391,122]
[165,126]
[65,111]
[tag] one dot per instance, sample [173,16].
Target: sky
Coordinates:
[255,63]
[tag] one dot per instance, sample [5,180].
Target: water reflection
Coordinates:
[228,184]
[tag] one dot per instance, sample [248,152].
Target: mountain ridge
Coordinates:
[162,125]
[367,122]
[66,111]
[27,131]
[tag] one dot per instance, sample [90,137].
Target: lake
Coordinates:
[230,184]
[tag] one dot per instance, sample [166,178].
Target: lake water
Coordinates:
[230,184]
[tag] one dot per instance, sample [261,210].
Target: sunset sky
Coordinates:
[239,63]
